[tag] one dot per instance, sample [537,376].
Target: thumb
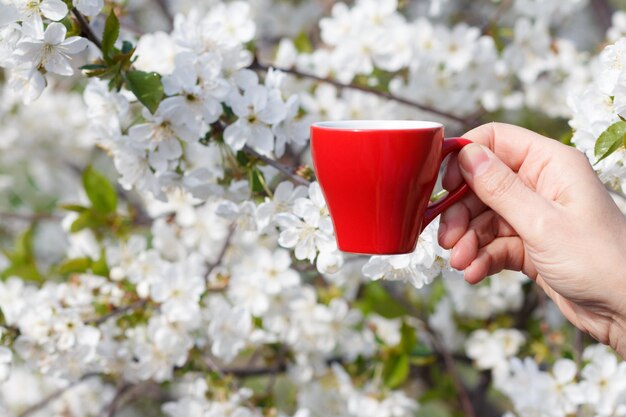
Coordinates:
[501,189]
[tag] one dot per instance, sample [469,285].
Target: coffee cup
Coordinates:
[377,177]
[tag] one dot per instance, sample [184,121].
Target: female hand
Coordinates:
[538,207]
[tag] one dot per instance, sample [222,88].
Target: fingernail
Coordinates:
[442,229]
[453,253]
[473,159]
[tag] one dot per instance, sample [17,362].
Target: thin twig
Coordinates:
[246,372]
[285,170]
[117,399]
[220,257]
[495,18]
[54,396]
[448,359]
[464,399]
[578,347]
[85,28]
[117,312]
[165,10]
[31,217]
[604,12]
[464,121]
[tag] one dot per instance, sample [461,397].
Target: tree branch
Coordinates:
[116,312]
[31,217]
[604,13]
[464,121]
[111,410]
[85,28]
[448,359]
[502,8]
[247,372]
[165,10]
[220,257]
[54,396]
[283,169]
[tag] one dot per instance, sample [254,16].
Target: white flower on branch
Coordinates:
[52,51]
[258,108]
[229,329]
[158,348]
[196,90]
[260,277]
[31,12]
[492,350]
[161,136]
[179,288]
[308,228]
[89,7]
[418,268]
[284,197]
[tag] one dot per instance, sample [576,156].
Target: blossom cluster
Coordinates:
[172,252]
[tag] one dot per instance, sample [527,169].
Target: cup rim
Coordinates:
[373,125]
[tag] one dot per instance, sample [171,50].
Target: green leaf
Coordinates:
[303,43]
[74,207]
[243,158]
[110,35]
[22,259]
[127,47]
[27,272]
[93,67]
[147,87]
[85,220]
[24,247]
[100,266]
[75,265]
[256,180]
[396,370]
[376,299]
[610,140]
[100,191]
[409,338]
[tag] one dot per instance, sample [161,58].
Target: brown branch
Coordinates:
[578,347]
[165,10]
[117,399]
[283,169]
[54,396]
[260,67]
[464,399]
[603,12]
[117,312]
[273,370]
[31,217]
[495,18]
[220,258]
[86,29]
[448,360]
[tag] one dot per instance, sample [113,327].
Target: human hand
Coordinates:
[538,207]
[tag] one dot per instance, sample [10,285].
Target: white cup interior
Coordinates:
[378,125]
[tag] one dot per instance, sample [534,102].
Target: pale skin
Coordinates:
[538,207]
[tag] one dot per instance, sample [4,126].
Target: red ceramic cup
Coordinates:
[377,178]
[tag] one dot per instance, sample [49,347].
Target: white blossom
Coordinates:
[52,51]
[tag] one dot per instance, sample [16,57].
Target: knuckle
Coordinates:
[497,184]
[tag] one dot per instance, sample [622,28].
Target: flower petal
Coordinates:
[55,33]
[53,9]
[57,63]
[73,45]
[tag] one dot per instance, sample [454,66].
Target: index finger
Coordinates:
[511,144]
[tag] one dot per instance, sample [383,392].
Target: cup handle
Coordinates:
[435,209]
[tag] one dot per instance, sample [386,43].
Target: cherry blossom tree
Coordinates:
[167,251]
